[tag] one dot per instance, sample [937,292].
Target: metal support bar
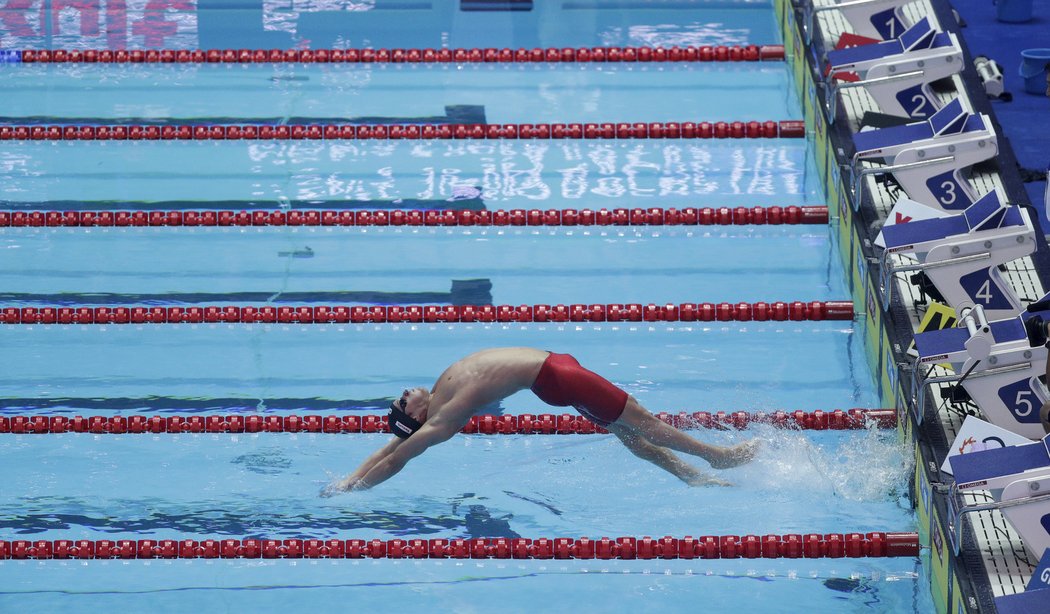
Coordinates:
[955,522]
[856,176]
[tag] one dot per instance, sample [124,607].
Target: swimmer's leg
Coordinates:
[663,458]
[638,419]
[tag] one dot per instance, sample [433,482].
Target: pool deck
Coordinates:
[1020,116]
[995,547]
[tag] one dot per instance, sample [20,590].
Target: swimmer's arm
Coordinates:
[430,434]
[351,480]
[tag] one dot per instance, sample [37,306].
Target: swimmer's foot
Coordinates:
[733,456]
[705,480]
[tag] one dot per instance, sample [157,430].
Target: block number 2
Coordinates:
[920,102]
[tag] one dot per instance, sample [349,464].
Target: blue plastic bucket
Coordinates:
[1033,69]
[1013,11]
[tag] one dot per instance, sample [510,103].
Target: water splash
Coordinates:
[868,465]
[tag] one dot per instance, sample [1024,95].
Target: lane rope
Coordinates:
[522,424]
[771,546]
[249,131]
[652,216]
[778,311]
[719,53]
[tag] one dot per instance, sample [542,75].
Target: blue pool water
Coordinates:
[217,24]
[496,93]
[503,175]
[82,486]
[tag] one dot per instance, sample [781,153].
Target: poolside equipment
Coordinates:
[897,73]
[770,546]
[785,129]
[1018,480]
[877,19]
[483,424]
[976,435]
[1013,11]
[927,158]
[960,254]
[1035,595]
[991,74]
[761,311]
[994,362]
[458,216]
[1034,63]
[444,55]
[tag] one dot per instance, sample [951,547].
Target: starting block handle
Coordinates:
[844,5]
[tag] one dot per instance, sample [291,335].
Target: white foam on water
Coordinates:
[866,465]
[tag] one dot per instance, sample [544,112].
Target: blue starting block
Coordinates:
[877,19]
[1018,479]
[961,254]
[896,73]
[927,158]
[996,363]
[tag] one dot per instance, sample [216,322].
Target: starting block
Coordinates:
[1035,595]
[1018,479]
[998,365]
[927,158]
[960,254]
[897,73]
[878,19]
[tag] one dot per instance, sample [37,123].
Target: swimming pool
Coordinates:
[264,485]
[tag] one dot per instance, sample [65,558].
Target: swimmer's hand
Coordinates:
[339,486]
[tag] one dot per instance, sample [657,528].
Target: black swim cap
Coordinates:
[401,424]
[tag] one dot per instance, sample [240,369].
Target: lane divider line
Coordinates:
[248,131]
[520,424]
[707,53]
[652,216]
[770,546]
[779,311]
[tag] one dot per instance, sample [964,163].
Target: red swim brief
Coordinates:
[563,382]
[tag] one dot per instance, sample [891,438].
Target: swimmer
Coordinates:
[420,419]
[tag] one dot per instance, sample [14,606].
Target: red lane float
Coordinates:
[778,311]
[770,546]
[328,132]
[652,216]
[523,424]
[720,53]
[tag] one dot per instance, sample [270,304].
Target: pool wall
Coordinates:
[959,583]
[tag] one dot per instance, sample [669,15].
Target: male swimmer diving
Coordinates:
[420,419]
